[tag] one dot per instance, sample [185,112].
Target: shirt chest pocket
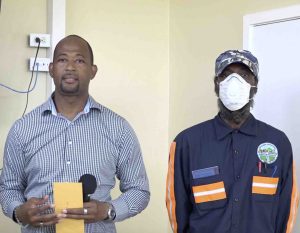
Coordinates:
[209,192]
[264,188]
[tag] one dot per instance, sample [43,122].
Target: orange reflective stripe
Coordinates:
[208,187]
[209,192]
[170,196]
[212,197]
[264,185]
[266,180]
[294,203]
[261,190]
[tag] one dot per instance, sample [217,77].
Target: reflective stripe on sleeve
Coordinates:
[294,203]
[170,196]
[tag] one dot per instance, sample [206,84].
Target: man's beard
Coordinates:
[237,116]
[69,91]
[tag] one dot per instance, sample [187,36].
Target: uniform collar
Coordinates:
[222,129]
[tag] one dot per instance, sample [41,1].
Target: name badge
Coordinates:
[206,172]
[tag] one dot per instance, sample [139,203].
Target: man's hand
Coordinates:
[33,212]
[92,211]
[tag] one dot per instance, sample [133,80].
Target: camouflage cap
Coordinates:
[236,56]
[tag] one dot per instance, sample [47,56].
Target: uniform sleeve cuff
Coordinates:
[121,208]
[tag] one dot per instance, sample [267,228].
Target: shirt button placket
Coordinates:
[236,153]
[68,160]
[235,194]
[68,149]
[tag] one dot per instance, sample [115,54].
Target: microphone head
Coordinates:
[89,185]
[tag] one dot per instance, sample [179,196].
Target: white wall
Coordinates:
[17,20]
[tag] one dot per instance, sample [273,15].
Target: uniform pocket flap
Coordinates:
[209,192]
[264,185]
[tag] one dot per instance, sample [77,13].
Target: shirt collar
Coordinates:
[222,129]
[49,106]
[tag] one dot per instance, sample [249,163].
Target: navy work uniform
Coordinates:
[224,180]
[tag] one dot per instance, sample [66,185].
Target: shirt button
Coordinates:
[238,177]
[70,143]
[68,162]
[236,199]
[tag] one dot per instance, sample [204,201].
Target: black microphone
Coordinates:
[89,185]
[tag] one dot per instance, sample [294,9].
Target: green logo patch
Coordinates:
[267,153]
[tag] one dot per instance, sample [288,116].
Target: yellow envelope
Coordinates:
[68,195]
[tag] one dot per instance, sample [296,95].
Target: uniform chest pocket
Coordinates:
[264,188]
[209,192]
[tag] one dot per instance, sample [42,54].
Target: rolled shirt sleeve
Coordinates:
[131,172]
[12,182]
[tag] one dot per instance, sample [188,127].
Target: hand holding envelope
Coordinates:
[92,211]
[37,212]
[68,195]
[69,203]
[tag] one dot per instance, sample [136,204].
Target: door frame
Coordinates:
[251,21]
[56,27]
[267,17]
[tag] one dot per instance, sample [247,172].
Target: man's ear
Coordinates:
[216,85]
[253,92]
[94,71]
[254,89]
[51,69]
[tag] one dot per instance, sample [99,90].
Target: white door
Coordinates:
[274,38]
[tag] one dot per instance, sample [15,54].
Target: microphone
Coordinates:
[89,185]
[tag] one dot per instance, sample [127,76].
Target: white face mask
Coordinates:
[234,92]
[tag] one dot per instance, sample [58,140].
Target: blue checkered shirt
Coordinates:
[44,147]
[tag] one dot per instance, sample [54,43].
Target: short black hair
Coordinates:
[88,45]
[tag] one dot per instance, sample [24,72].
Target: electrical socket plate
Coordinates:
[42,62]
[45,40]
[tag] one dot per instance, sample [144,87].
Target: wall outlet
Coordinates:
[43,64]
[45,40]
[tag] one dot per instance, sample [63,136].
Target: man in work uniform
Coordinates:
[232,173]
